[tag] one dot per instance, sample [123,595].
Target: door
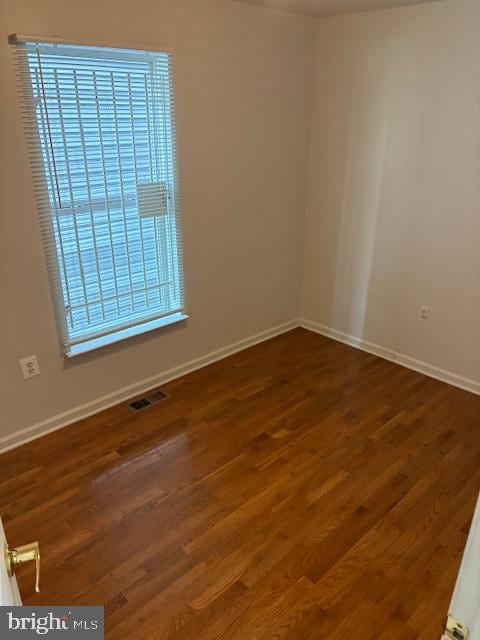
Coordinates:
[9,593]
[465,605]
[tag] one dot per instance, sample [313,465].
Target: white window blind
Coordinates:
[100,123]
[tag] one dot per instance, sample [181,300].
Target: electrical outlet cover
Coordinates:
[29,367]
[424,313]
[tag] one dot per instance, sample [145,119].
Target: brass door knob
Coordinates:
[19,555]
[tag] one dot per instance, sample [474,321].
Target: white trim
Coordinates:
[100,404]
[464,604]
[123,334]
[9,593]
[387,354]
[22,38]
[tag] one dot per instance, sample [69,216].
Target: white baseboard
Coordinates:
[387,354]
[80,412]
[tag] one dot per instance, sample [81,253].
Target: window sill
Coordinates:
[123,334]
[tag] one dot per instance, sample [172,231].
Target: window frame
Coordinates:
[118,331]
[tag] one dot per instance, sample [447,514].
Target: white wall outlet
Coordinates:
[30,367]
[424,313]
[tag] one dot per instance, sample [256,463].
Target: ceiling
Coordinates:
[332,7]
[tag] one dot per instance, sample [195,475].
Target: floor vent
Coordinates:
[147,401]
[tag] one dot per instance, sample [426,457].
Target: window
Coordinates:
[101,123]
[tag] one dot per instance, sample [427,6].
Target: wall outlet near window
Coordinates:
[424,313]
[30,367]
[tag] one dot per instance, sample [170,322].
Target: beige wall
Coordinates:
[243,82]
[392,200]
[393,216]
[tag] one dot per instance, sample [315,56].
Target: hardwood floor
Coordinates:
[298,490]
